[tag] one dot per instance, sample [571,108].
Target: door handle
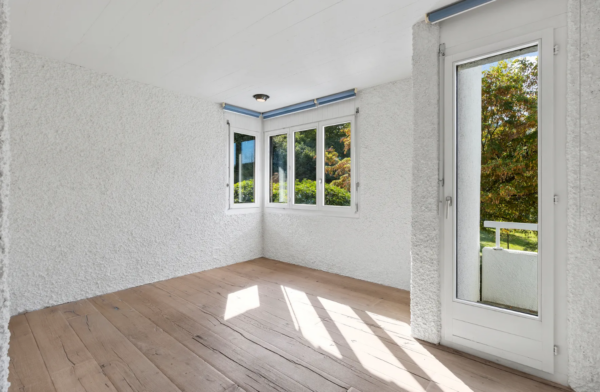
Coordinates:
[448,205]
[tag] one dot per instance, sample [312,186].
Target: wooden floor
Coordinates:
[261,325]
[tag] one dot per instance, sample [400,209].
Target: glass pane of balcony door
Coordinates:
[497,181]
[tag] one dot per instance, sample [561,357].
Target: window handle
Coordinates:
[448,205]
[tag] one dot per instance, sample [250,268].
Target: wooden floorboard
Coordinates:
[261,325]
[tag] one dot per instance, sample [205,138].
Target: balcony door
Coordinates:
[498,213]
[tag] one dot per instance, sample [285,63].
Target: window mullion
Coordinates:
[290,162]
[320,168]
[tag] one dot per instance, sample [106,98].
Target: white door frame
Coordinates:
[508,337]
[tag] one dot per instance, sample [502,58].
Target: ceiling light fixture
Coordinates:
[261,97]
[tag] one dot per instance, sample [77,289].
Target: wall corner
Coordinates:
[4,185]
[425,257]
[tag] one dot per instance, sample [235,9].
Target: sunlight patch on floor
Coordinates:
[436,370]
[308,321]
[372,353]
[241,302]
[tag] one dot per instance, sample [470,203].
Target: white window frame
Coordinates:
[267,144]
[320,208]
[245,207]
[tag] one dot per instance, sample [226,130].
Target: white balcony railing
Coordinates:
[509,277]
[508,225]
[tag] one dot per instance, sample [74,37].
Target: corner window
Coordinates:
[312,168]
[278,175]
[244,154]
[305,167]
[338,164]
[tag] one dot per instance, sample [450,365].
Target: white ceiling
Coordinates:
[228,50]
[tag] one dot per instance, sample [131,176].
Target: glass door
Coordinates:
[498,220]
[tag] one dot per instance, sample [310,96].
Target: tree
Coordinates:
[337,156]
[509,142]
[305,147]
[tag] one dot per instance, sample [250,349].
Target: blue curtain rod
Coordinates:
[454,9]
[295,107]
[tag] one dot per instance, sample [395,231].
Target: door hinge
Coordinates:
[442,50]
[555,199]
[555,350]
[555,49]
[357,110]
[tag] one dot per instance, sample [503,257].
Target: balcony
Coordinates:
[509,277]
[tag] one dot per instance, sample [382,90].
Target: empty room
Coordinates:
[299,195]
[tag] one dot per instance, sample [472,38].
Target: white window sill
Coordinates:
[346,213]
[238,211]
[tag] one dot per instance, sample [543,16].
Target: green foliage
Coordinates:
[276,192]
[305,147]
[517,240]
[335,196]
[337,155]
[509,144]
[306,193]
[247,188]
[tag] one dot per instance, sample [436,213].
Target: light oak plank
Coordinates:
[124,365]
[301,330]
[185,369]
[432,362]
[254,364]
[354,298]
[317,352]
[27,370]
[69,364]
[375,290]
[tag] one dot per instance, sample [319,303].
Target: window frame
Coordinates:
[293,130]
[319,208]
[240,207]
[267,165]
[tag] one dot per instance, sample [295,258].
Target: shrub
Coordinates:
[306,193]
[247,192]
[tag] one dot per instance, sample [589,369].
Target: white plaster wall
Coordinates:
[425,305]
[468,178]
[376,246]
[510,277]
[4,185]
[583,154]
[116,184]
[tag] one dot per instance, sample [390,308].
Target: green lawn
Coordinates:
[519,240]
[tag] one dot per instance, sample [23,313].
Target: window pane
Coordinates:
[497,181]
[278,179]
[243,168]
[305,167]
[338,181]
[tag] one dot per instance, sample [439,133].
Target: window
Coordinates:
[312,168]
[305,167]
[278,176]
[244,151]
[338,164]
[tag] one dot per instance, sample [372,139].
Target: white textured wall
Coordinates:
[4,184]
[425,305]
[376,246]
[583,162]
[115,184]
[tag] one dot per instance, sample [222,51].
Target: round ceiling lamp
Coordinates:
[261,97]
